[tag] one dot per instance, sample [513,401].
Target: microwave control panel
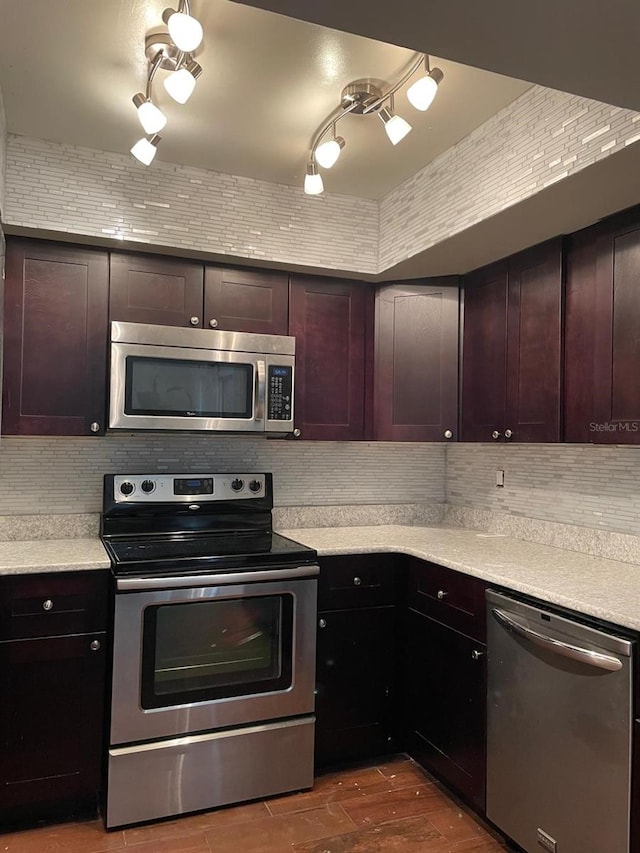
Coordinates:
[280,386]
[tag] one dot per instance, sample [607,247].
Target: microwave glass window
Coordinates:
[157,386]
[198,651]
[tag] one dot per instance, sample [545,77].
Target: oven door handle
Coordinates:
[131,584]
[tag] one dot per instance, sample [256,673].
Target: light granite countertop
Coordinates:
[52,555]
[607,589]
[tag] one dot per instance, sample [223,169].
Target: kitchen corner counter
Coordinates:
[606,589]
[52,555]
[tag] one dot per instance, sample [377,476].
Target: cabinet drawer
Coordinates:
[55,604]
[450,597]
[358,580]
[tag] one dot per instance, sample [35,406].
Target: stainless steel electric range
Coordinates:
[213,649]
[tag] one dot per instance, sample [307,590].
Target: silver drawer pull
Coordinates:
[357,581]
[322,623]
[441,595]
[47,605]
[95,645]
[476,655]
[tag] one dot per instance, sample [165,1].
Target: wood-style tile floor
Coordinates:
[380,808]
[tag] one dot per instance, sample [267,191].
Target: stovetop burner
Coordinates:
[190,524]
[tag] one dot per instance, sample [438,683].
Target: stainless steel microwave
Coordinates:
[168,378]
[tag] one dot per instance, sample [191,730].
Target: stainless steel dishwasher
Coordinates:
[559,722]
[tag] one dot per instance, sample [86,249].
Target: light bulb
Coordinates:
[395,126]
[145,149]
[181,83]
[151,118]
[313,180]
[328,152]
[423,91]
[185,31]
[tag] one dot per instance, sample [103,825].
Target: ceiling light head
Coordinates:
[313,180]
[181,83]
[328,152]
[151,118]
[145,149]
[395,126]
[184,29]
[423,91]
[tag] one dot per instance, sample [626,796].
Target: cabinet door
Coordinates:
[329,322]
[416,366]
[484,353]
[51,721]
[534,328]
[243,300]
[354,680]
[444,695]
[55,343]
[156,289]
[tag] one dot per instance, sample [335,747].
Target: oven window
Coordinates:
[214,649]
[207,389]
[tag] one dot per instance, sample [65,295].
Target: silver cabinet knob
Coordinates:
[322,623]
[47,605]
[441,594]
[296,433]
[195,321]
[95,427]
[476,655]
[357,581]
[213,323]
[508,433]
[495,434]
[95,645]
[448,433]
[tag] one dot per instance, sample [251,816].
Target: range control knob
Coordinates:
[148,486]
[127,488]
[255,485]
[236,485]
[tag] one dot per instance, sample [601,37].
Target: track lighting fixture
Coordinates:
[362,97]
[395,126]
[184,29]
[181,83]
[171,52]
[145,149]
[313,184]
[421,93]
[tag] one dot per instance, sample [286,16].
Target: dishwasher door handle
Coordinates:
[592,658]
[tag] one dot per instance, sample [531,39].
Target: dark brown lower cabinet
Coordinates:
[444,691]
[52,688]
[355,684]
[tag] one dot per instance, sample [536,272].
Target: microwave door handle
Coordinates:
[261,384]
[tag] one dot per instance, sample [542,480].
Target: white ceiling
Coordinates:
[68,70]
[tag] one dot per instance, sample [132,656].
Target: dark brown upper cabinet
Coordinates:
[331,321]
[416,361]
[512,348]
[602,348]
[55,340]
[176,292]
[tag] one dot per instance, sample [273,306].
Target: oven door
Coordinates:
[177,388]
[212,652]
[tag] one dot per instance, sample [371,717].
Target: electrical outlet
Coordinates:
[500,478]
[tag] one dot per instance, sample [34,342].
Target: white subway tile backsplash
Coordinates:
[43,476]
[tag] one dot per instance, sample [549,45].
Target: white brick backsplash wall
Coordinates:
[542,137]
[584,485]
[41,476]
[99,194]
